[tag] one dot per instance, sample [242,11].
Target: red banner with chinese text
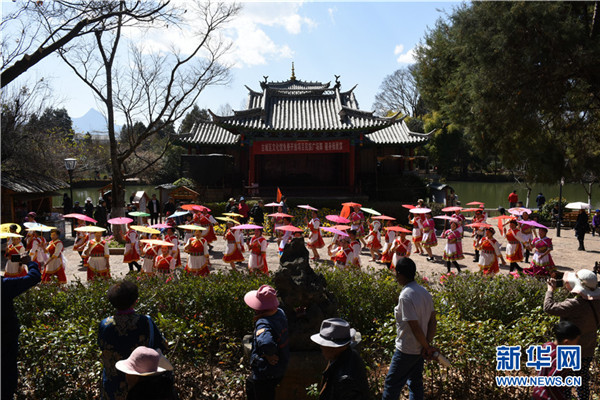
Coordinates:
[301,147]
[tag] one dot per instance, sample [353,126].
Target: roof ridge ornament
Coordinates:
[338,84]
[293,77]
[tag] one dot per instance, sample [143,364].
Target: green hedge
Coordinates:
[204,320]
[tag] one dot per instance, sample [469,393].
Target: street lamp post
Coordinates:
[562,182]
[70,164]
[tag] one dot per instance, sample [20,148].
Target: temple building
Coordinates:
[301,136]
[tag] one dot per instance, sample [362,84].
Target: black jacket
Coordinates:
[582,224]
[345,378]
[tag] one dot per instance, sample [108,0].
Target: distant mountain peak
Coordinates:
[92,122]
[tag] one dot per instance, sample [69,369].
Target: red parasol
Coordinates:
[519,210]
[189,207]
[290,228]
[342,227]
[475,203]
[352,204]
[384,217]
[280,215]
[336,231]
[449,209]
[398,229]
[337,219]
[307,207]
[81,217]
[470,209]
[409,206]
[502,217]
[479,225]
[120,221]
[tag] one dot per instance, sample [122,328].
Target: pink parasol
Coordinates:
[519,210]
[120,221]
[272,205]
[307,207]
[280,215]
[409,206]
[450,209]
[247,226]
[342,227]
[160,226]
[475,203]
[449,218]
[479,225]
[337,219]
[336,231]
[535,224]
[384,217]
[502,217]
[398,229]
[470,209]
[418,210]
[81,217]
[290,228]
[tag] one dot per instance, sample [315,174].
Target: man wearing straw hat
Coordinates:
[270,344]
[584,312]
[345,376]
[416,325]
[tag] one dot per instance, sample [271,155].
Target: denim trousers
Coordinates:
[404,369]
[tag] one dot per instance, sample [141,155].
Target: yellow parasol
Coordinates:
[232,214]
[227,219]
[90,229]
[6,227]
[192,227]
[157,242]
[144,229]
[4,235]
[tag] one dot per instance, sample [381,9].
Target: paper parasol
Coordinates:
[342,227]
[202,208]
[307,207]
[578,205]
[272,205]
[352,204]
[475,203]
[333,230]
[370,211]
[409,206]
[139,214]
[232,214]
[191,227]
[337,219]
[290,228]
[194,207]
[120,221]
[418,210]
[227,219]
[160,226]
[6,227]
[247,226]
[90,229]
[4,235]
[178,214]
[503,217]
[81,217]
[479,225]
[519,210]
[450,209]
[280,215]
[449,218]
[471,209]
[398,229]
[144,229]
[34,226]
[384,217]
[157,242]
[534,224]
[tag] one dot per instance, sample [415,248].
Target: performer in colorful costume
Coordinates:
[429,239]
[198,259]
[514,252]
[98,258]
[16,250]
[315,240]
[453,250]
[374,240]
[258,253]
[542,263]
[165,263]
[489,249]
[132,250]
[401,248]
[55,265]
[234,247]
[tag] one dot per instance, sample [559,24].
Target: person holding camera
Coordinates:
[583,311]
[14,252]
[11,288]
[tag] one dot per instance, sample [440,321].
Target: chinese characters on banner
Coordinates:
[508,358]
[300,147]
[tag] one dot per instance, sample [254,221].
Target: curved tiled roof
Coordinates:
[397,133]
[205,132]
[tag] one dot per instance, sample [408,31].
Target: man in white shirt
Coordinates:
[416,326]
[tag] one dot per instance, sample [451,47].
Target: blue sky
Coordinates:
[361,41]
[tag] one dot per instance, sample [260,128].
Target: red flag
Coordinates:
[345,212]
[279,195]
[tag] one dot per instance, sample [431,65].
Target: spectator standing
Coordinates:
[513,199]
[11,288]
[243,209]
[270,344]
[540,200]
[169,207]
[258,213]
[284,205]
[582,225]
[231,206]
[596,223]
[416,325]
[121,334]
[154,209]
[101,214]
[584,312]
[67,204]
[77,208]
[345,376]
[89,207]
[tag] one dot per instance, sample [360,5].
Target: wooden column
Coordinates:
[411,153]
[252,166]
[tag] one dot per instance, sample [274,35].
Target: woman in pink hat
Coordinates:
[147,373]
[270,344]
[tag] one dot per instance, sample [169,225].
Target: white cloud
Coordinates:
[331,11]
[404,58]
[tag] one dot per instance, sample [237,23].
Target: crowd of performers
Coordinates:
[152,251]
